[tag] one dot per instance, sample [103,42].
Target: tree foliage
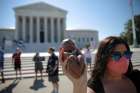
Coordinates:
[127,34]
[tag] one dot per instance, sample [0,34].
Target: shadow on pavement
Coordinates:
[37,85]
[10,87]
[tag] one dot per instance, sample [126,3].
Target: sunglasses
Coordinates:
[72,52]
[116,55]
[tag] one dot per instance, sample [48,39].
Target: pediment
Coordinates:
[40,6]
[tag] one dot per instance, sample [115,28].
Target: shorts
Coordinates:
[88,60]
[38,66]
[17,66]
[53,78]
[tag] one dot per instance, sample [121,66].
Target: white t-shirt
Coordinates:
[87,53]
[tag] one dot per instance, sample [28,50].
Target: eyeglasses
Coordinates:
[116,55]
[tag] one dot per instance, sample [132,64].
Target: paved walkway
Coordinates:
[30,85]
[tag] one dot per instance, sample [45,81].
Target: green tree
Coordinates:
[128,34]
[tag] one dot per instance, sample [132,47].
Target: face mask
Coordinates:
[118,68]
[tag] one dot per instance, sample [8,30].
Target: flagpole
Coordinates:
[133,26]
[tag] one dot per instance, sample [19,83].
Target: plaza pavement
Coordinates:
[30,85]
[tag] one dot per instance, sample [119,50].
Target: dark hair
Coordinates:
[51,49]
[104,51]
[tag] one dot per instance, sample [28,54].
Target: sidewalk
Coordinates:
[30,85]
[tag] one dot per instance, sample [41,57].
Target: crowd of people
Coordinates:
[112,72]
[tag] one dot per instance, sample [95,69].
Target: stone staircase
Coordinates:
[28,65]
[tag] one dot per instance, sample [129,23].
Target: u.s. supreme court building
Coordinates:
[39,26]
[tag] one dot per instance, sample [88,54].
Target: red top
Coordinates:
[16,57]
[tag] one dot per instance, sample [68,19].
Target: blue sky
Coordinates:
[106,16]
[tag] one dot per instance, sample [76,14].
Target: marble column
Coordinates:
[45,29]
[58,30]
[62,23]
[31,30]
[52,30]
[64,27]
[55,31]
[24,27]
[38,29]
[49,30]
[17,28]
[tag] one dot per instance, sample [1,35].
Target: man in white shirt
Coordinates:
[87,56]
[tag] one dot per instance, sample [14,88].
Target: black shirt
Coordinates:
[52,62]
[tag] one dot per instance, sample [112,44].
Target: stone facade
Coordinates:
[83,37]
[39,26]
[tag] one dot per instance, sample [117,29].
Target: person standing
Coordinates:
[87,55]
[53,70]
[38,65]
[16,60]
[2,65]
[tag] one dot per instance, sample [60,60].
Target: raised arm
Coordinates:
[76,74]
